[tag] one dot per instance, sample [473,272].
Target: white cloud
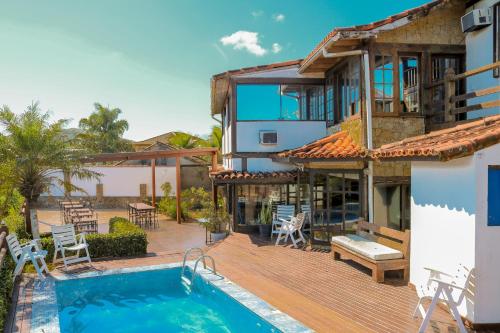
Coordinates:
[257,13]
[245,40]
[276,48]
[279,17]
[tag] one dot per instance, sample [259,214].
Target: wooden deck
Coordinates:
[326,295]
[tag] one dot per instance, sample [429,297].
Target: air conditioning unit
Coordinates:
[268,137]
[476,19]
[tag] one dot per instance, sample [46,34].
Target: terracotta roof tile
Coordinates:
[370,26]
[230,175]
[455,142]
[336,146]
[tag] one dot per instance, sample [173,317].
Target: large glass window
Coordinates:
[330,99]
[409,85]
[280,102]
[383,80]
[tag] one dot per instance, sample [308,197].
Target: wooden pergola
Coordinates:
[153,155]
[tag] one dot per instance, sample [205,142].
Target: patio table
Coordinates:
[142,214]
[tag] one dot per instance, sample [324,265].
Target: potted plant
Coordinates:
[216,222]
[265,218]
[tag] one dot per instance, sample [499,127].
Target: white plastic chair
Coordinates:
[22,253]
[65,239]
[306,209]
[439,288]
[283,213]
[289,228]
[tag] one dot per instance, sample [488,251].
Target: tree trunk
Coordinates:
[27,216]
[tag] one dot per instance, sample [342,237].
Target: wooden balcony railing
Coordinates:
[448,112]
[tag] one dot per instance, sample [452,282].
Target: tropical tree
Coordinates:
[185,140]
[215,137]
[103,131]
[38,154]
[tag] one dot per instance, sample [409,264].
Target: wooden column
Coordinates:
[449,90]
[214,162]
[153,182]
[178,187]
[214,196]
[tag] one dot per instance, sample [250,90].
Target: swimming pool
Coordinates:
[152,299]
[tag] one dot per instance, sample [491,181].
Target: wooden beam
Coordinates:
[214,162]
[475,107]
[178,187]
[153,182]
[477,93]
[144,155]
[476,71]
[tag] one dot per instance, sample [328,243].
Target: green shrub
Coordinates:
[193,199]
[124,239]
[6,285]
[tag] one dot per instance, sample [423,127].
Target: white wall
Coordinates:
[291,134]
[122,181]
[479,45]
[443,212]
[267,165]
[487,243]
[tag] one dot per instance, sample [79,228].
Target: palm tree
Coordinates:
[103,131]
[39,155]
[185,140]
[215,140]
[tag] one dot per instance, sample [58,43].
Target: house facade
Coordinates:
[300,131]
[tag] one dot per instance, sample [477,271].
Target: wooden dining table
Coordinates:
[140,209]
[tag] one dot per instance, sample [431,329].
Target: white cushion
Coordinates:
[367,248]
[75,247]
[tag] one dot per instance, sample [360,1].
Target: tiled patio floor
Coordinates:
[326,295]
[169,237]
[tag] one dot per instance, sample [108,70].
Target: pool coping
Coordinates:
[45,316]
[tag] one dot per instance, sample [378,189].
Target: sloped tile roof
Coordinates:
[371,26]
[231,176]
[336,146]
[455,142]
[261,68]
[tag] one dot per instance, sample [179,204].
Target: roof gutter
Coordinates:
[327,54]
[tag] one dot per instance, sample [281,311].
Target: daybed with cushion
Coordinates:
[378,248]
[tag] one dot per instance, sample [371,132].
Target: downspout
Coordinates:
[369,138]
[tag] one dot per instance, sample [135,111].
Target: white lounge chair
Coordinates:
[306,209]
[439,288]
[22,253]
[283,213]
[289,228]
[65,239]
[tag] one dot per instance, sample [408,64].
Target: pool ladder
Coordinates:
[201,257]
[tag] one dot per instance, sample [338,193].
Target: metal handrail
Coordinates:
[200,250]
[196,266]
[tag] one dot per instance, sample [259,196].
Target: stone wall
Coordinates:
[391,129]
[440,26]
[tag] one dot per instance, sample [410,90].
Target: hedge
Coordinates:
[6,285]
[124,239]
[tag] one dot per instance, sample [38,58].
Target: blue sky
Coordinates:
[154,58]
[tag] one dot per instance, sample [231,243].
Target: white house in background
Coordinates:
[455,208]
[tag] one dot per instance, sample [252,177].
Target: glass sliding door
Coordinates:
[336,202]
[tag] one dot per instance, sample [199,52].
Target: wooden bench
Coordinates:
[394,239]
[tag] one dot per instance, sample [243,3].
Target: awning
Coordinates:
[245,177]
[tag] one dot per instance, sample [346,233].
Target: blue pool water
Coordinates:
[151,301]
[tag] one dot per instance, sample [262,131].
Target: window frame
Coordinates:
[303,102]
[400,95]
[496,38]
[395,62]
